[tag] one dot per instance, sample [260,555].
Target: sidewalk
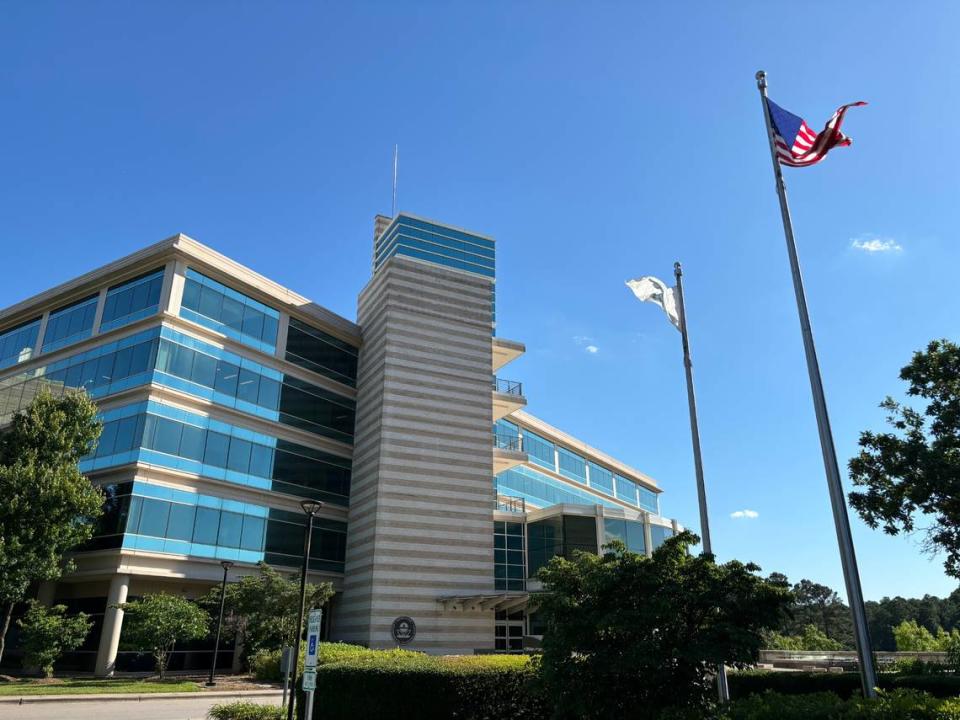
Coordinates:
[137,697]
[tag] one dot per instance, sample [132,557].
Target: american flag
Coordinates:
[797,144]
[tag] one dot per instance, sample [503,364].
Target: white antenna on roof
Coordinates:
[396,151]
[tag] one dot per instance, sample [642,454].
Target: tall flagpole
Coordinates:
[722,688]
[848,558]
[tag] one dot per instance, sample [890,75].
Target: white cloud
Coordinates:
[870,244]
[748,514]
[586,342]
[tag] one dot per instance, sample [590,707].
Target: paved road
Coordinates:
[152,709]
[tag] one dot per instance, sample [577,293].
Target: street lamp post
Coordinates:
[311,508]
[226,564]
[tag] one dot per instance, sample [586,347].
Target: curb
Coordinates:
[135,697]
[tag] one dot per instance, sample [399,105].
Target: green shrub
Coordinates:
[405,685]
[265,664]
[894,705]
[941,686]
[753,682]
[245,711]
[845,685]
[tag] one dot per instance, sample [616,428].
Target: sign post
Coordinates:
[310,660]
[286,667]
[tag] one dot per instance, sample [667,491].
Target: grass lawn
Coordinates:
[91,686]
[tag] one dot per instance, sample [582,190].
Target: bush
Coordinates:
[47,633]
[265,664]
[402,685]
[844,685]
[245,711]
[895,705]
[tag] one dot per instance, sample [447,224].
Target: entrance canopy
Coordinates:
[506,601]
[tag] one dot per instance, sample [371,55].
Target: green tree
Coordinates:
[915,469]
[262,609]
[156,623]
[48,506]
[913,637]
[624,631]
[811,638]
[47,633]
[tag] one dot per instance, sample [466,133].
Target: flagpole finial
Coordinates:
[761,79]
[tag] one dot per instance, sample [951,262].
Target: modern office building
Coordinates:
[228,399]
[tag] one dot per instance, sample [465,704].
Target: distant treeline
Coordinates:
[820,606]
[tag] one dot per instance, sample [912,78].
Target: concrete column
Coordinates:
[112,623]
[171,292]
[647,536]
[40,333]
[237,662]
[283,329]
[98,315]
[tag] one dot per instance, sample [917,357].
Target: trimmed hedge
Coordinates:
[844,685]
[404,685]
[895,705]
[265,664]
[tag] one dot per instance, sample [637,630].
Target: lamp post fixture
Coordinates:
[226,564]
[311,508]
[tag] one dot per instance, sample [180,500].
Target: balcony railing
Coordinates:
[508,442]
[508,503]
[508,387]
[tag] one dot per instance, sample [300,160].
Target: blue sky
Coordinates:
[596,142]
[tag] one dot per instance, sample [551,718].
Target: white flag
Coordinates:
[651,289]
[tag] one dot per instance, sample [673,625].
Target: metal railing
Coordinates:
[508,503]
[508,387]
[508,442]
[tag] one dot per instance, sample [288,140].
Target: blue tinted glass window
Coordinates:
[601,478]
[252,323]
[167,436]
[126,434]
[648,500]
[207,526]
[225,310]
[321,352]
[192,442]
[215,452]
[635,541]
[132,300]
[204,369]
[108,439]
[230,529]
[153,517]
[253,531]
[226,379]
[660,534]
[261,461]
[626,490]
[180,362]
[572,465]
[142,358]
[180,523]
[248,386]
[542,490]
[539,450]
[269,396]
[70,324]
[300,404]
[16,344]
[239,457]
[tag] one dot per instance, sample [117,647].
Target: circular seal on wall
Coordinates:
[404,629]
